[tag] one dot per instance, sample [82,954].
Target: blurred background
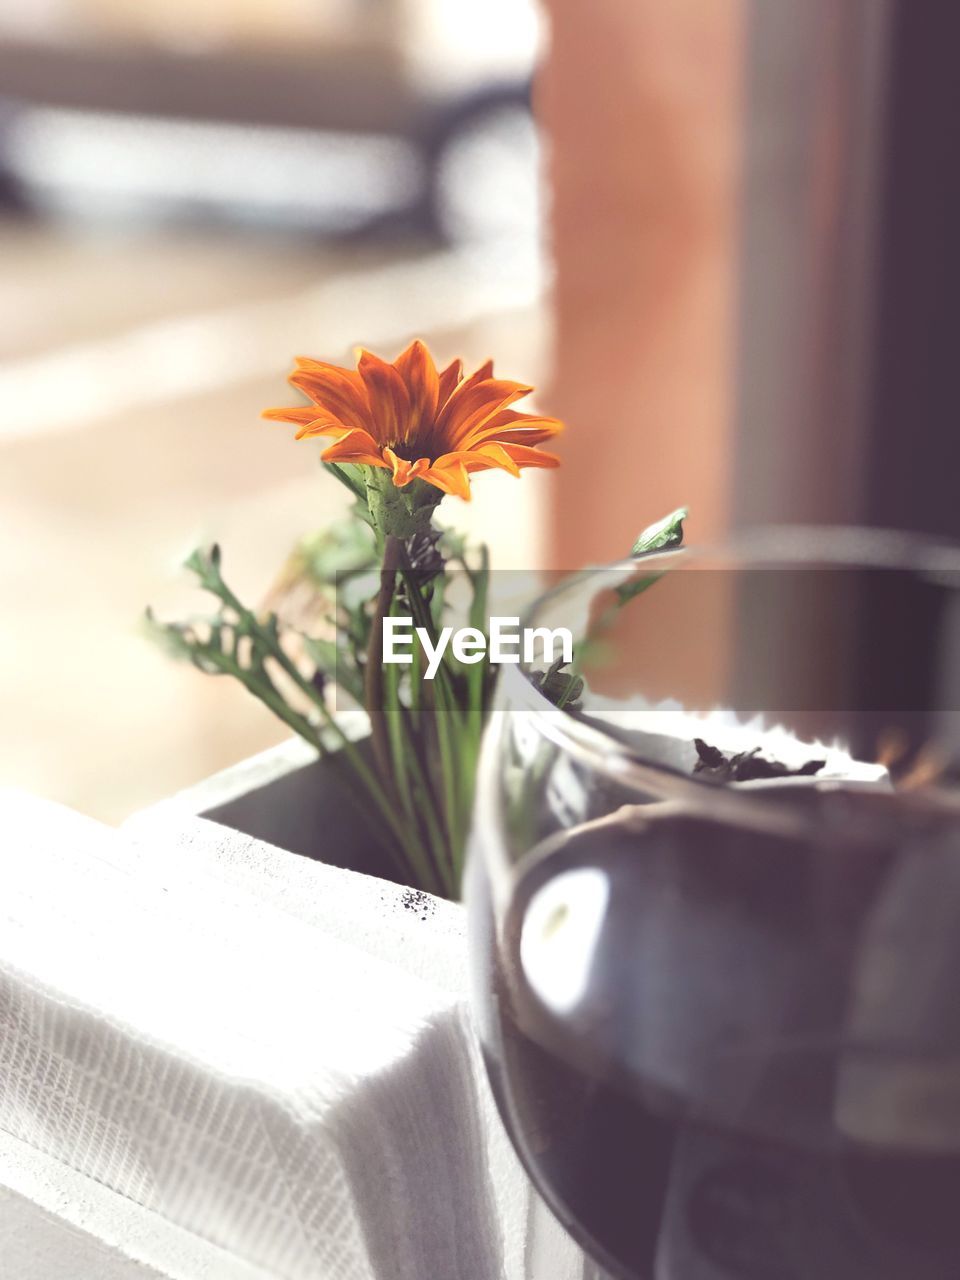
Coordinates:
[718,235]
[192,194]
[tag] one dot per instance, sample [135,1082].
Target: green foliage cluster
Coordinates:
[416,782]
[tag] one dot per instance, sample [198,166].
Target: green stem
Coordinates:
[477,676]
[263,689]
[437,843]
[373,675]
[367,776]
[444,717]
[418,811]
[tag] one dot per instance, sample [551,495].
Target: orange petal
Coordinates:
[472,459]
[494,454]
[470,406]
[450,379]
[325,427]
[340,391]
[519,428]
[419,374]
[522,435]
[308,364]
[389,401]
[451,479]
[499,456]
[355,446]
[313,421]
[404,471]
[524,456]
[483,374]
[302,415]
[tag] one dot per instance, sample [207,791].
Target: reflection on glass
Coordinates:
[719,1016]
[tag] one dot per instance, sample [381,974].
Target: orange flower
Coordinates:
[418,423]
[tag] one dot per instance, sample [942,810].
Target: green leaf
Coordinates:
[453,545]
[325,558]
[336,663]
[666,533]
[350,476]
[423,806]
[323,653]
[562,688]
[662,536]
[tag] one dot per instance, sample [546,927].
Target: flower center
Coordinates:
[406,450]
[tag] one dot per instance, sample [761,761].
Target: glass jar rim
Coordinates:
[775,547]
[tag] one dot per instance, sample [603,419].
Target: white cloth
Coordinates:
[261,1051]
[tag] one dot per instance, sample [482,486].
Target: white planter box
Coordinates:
[222,1061]
[219,1060]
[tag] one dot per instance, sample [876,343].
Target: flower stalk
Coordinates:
[374,687]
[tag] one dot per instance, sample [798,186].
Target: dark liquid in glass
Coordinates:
[759,1078]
